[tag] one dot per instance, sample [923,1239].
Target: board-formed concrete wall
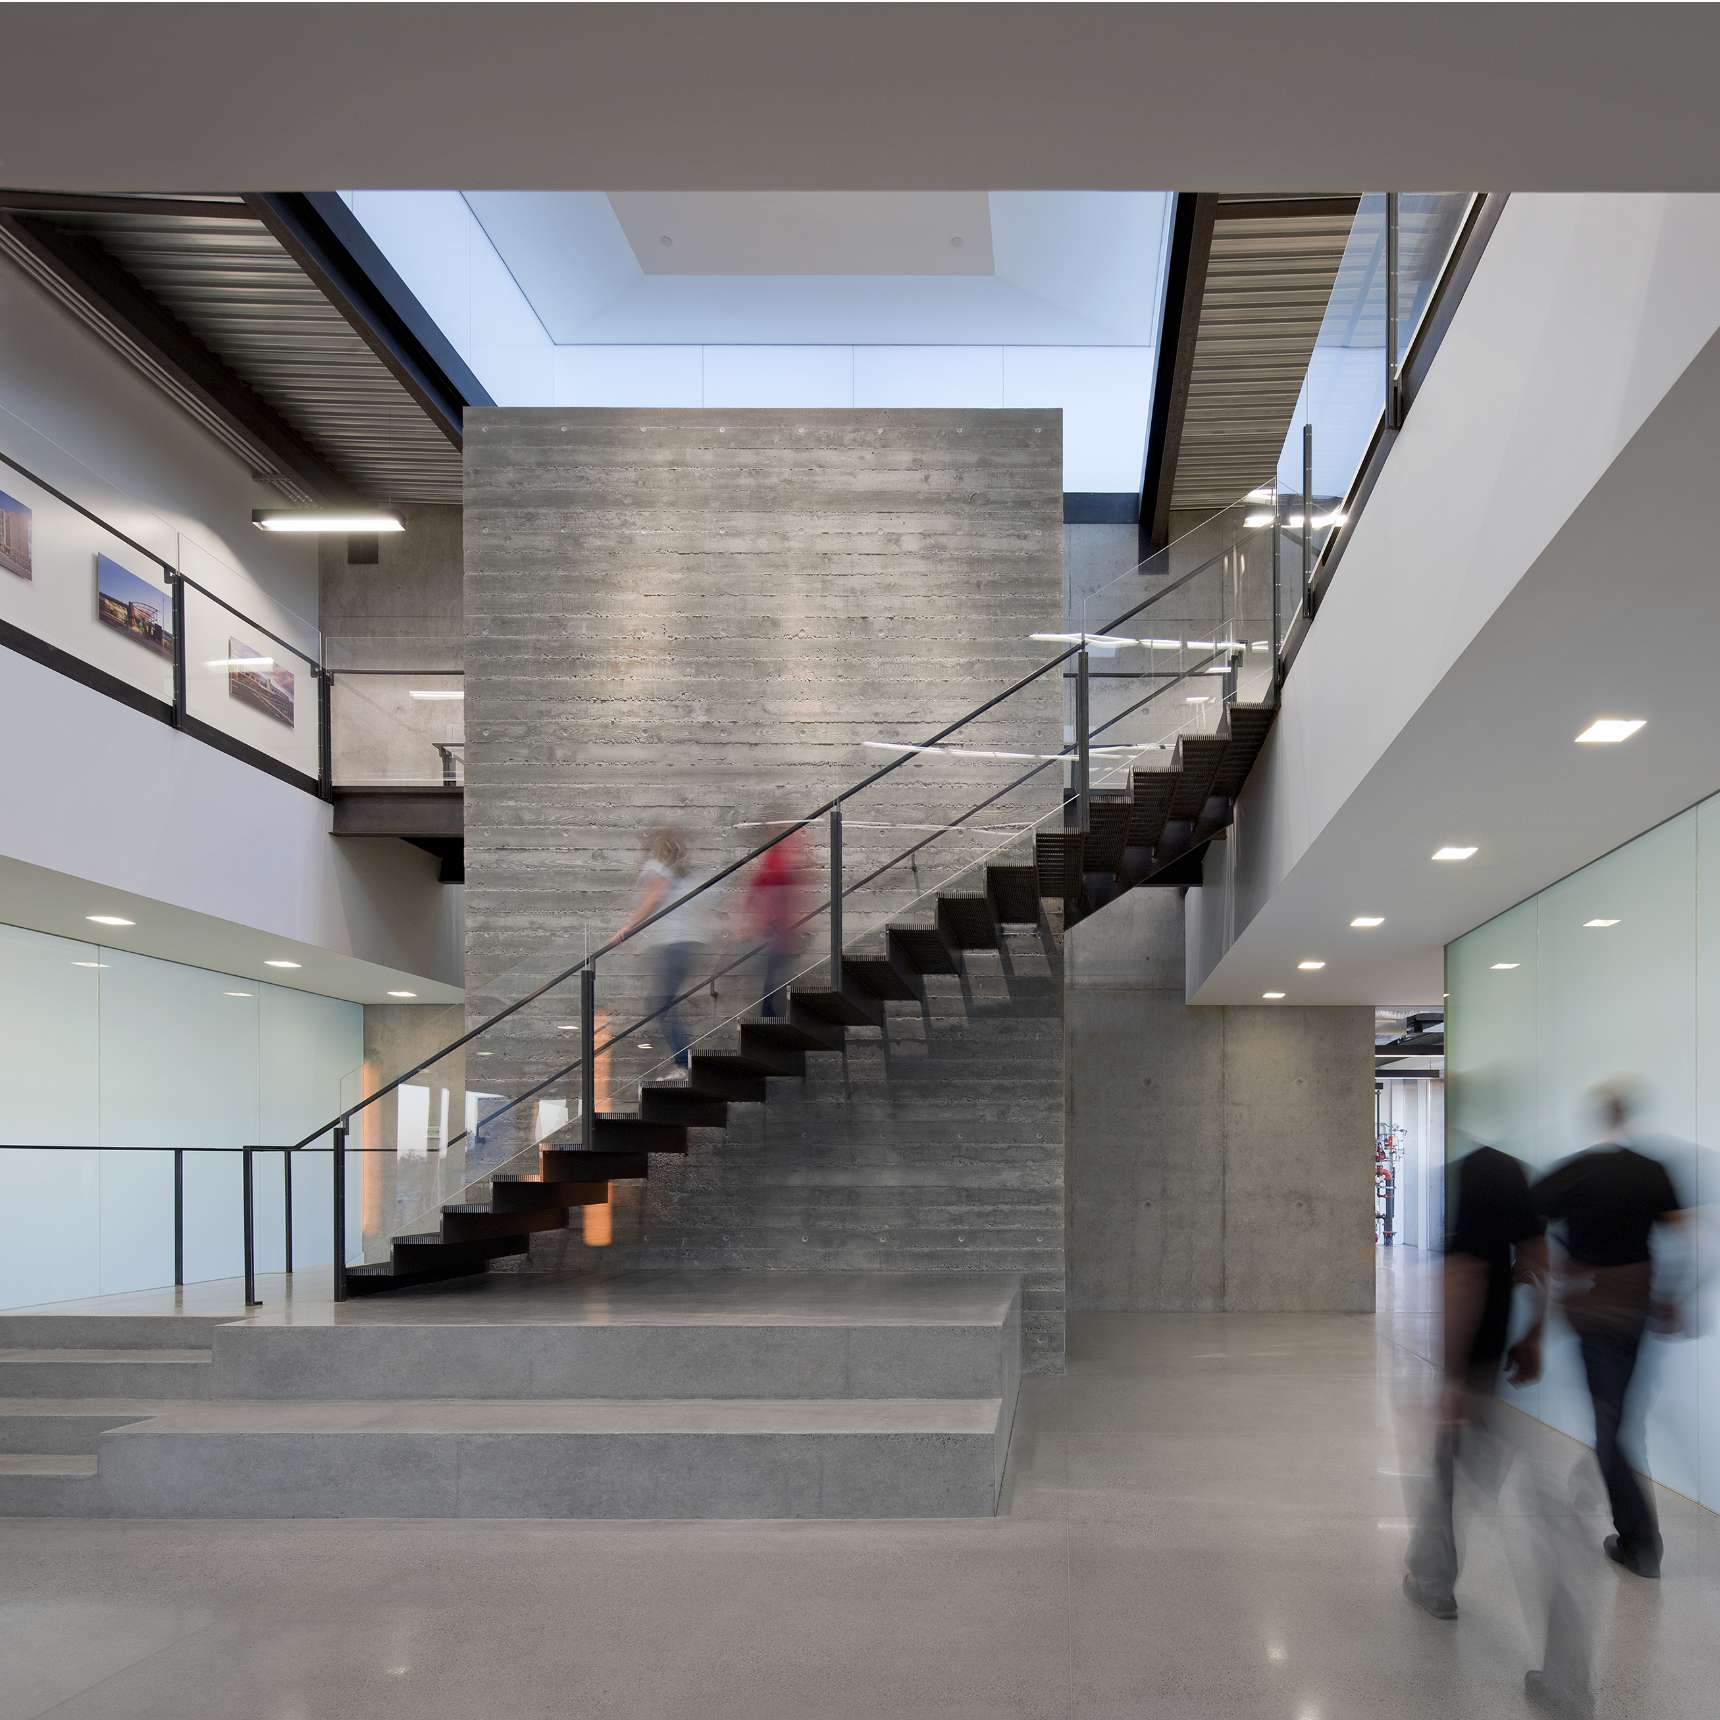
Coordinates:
[1218,1157]
[698,618]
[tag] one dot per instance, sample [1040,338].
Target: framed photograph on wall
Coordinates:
[134,607]
[263,684]
[15,537]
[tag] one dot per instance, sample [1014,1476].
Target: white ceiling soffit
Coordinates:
[807,96]
[807,232]
[1618,615]
[46,901]
[1057,268]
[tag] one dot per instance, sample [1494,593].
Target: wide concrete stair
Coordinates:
[65,1380]
[694,1395]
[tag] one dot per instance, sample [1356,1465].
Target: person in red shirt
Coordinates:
[775,904]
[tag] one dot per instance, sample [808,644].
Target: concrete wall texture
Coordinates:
[698,618]
[1218,1158]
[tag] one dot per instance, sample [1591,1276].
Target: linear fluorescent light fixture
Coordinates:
[353,523]
[403,994]
[108,920]
[1505,967]
[1272,996]
[432,693]
[1310,966]
[1588,924]
[238,994]
[1454,852]
[1609,731]
[1367,922]
[281,962]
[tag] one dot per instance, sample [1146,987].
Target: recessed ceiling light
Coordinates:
[1609,731]
[666,242]
[1310,966]
[282,963]
[1588,923]
[238,994]
[1367,922]
[360,521]
[1505,967]
[108,920]
[432,693]
[957,240]
[90,964]
[1454,853]
[403,994]
[1272,996]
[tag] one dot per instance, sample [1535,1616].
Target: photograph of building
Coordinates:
[268,687]
[133,606]
[15,537]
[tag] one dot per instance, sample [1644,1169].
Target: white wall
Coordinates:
[107,1047]
[1526,1044]
[444,255]
[1583,314]
[108,794]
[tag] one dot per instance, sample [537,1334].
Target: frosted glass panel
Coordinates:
[103,1046]
[1611,975]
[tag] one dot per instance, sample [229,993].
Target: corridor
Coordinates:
[1203,1517]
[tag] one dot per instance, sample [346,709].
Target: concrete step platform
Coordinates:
[736,1458]
[91,1329]
[39,1426]
[48,1485]
[105,1373]
[648,1335]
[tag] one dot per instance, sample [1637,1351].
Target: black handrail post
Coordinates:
[1394,380]
[325,735]
[287,1204]
[1083,743]
[588,1057]
[1277,597]
[176,585]
[250,1229]
[178,1215]
[836,898]
[1308,518]
[337,1163]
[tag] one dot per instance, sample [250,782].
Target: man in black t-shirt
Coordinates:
[1605,1205]
[1495,1242]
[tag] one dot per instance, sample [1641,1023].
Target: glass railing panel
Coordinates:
[253,680]
[1428,225]
[76,584]
[397,705]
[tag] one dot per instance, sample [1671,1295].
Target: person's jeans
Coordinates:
[674,964]
[1609,1351]
[1478,1451]
[778,961]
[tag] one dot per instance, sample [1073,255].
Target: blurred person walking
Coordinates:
[775,906]
[678,940]
[1494,1243]
[1605,1206]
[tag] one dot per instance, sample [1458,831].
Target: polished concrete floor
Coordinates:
[1204,1517]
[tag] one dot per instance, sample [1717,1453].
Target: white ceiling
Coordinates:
[808,96]
[46,901]
[1057,268]
[807,232]
[1617,616]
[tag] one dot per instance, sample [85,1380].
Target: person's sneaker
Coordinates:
[1549,1699]
[1638,1564]
[1436,1606]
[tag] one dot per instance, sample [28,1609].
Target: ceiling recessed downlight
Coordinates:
[108,920]
[281,962]
[1272,996]
[1454,851]
[1609,731]
[1367,922]
[403,994]
[1310,966]
[1589,923]
[354,521]
[1505,967]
